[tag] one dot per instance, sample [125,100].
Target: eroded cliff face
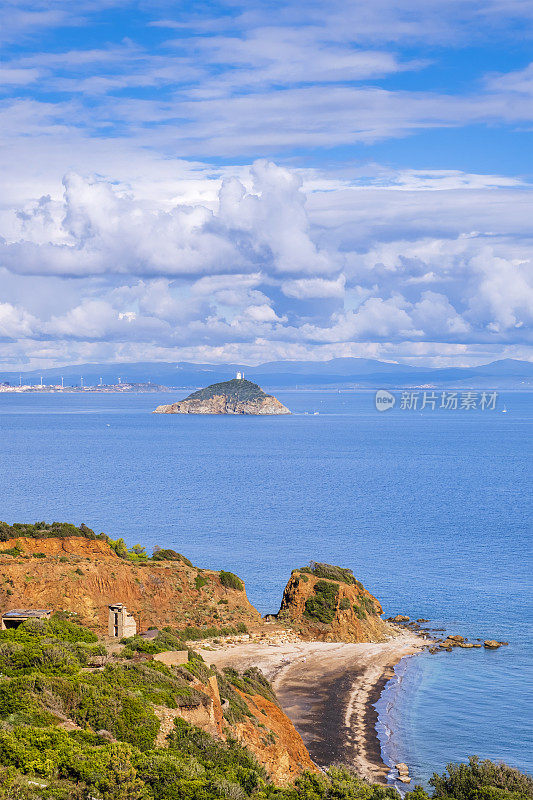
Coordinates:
[84,576]
[278,746]
[268,733]
[336,612]
[222,404]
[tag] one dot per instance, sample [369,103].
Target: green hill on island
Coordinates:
[237,389]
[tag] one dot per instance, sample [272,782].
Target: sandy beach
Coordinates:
[328,690]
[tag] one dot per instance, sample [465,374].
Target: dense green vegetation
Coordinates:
[323,604]
[364,606]
[49,677]
[481,779]
[239,390]
[62,530]
[330,572]
[174,639]
[169,555]
[44,530]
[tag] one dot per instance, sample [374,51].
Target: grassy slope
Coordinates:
[45,679]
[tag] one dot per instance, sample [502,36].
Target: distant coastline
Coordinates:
[337,373]
[115,388]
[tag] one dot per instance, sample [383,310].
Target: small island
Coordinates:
[237,396]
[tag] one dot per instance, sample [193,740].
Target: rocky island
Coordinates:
[237,396]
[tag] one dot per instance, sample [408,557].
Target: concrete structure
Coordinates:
[120,623]
[12,619]
[240,376]
[172,658]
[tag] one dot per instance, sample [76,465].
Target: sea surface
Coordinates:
[431,509]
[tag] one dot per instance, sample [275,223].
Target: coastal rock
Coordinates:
[421,619]
[399,618]
[336,609]
[237,396]
[456,638]
[491,644]
[403,772]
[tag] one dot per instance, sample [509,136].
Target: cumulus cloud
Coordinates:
[280,264]
[99,229]
[313,288]
[15,322]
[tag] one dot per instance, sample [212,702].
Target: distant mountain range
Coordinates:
[336,373]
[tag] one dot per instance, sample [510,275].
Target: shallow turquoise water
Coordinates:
[431,510]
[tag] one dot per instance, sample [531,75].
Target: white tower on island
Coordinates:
[240,376]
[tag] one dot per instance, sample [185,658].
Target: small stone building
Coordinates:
[120,623]
[12,619]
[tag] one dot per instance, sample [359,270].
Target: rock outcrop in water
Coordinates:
[327,603]
[237,396]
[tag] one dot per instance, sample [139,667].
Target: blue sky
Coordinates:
[248,181]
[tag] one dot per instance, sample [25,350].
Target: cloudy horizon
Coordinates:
[265,181]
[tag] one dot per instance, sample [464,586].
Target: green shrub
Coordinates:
[329,572]
[200,581]
[170,555]
[68,631]
[230,581]
[323,604]
[251,681]
[43,530]
[472,780]
[118,546]
[367,604]
[344,604]
[14,551]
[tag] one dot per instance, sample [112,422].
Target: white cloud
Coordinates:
[272,263]
[311,288]
[15,322]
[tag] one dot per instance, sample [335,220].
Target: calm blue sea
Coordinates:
[431,509]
